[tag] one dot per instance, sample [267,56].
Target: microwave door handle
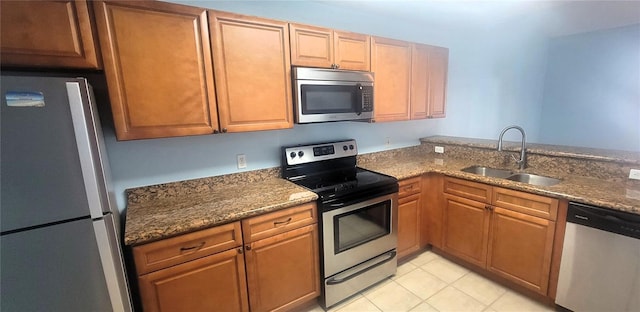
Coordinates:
[359,99]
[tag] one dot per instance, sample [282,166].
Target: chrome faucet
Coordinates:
[522,162]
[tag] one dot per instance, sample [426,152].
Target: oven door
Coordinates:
[321,101]
[358,232]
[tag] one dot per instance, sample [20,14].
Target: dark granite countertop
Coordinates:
[167,210]
[618,195]
[543,149]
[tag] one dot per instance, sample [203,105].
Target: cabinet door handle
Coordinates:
[215,131]
[487,207]
[183,249]
[247,247]
[277,223]
[224,130]
[240,250]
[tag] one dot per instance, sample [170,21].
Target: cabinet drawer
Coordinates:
[535,205]
[278,222]
[467,189]
[172,251]
[408,187]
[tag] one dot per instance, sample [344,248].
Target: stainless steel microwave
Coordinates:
[323,95]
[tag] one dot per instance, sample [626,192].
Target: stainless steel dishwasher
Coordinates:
[600,266]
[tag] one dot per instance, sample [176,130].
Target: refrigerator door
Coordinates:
[91,149]
[45,150]
[54,268]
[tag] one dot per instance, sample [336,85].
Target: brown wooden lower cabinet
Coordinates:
[409,217]
[465,229]
[520,248]
[507,232]
[212,283]
[213,270]
[283,270]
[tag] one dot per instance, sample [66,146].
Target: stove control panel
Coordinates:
[317,152]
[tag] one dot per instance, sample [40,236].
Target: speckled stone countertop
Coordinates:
[543,149]
[588,176]
[621,195]
[166,210]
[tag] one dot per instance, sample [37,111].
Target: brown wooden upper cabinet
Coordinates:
[321,47]
[159,57]
[411,80]
[428,81]
[252,71]
[391,64]
[47,34]
[157,61]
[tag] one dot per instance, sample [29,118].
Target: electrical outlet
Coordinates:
[634,174]
[439,149]
[387,141]
[242,161]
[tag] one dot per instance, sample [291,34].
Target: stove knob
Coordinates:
[351,146]
[300,153]
[345,147]
[293,154]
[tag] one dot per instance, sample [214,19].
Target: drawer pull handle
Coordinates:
[183,249]
[278,223]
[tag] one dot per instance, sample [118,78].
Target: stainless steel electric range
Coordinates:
[358,212]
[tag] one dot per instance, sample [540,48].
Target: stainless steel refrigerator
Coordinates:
[60,247]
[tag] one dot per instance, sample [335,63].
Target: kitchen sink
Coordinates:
[488,172]
[528,178]
[533,179]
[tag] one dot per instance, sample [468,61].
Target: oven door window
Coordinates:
[328,99]
[360,226]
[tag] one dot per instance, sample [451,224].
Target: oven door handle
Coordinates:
[337,205]
[339,279]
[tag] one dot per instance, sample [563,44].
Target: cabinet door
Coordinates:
[283,270]
[419,81]
[465,229]
[311,46]
[428,81]
[433,202]
[391,64]
[157,61]
[212,283]
[408,225]
[47,34]
[253,72]
[520,248]
[438,70]
[352,51]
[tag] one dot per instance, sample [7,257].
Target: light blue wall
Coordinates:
[495,79]
[592,90]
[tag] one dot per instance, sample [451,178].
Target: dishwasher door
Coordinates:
[600,266]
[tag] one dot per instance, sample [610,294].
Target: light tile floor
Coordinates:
[431,283]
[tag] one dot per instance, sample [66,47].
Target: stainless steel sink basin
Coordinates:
[528,178]
[533,179]
[488,172]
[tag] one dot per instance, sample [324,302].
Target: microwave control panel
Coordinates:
[367,99]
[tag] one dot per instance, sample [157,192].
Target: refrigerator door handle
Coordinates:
[82,117]
[112,263]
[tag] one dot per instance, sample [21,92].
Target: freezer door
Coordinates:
[55,268]
[42,179]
